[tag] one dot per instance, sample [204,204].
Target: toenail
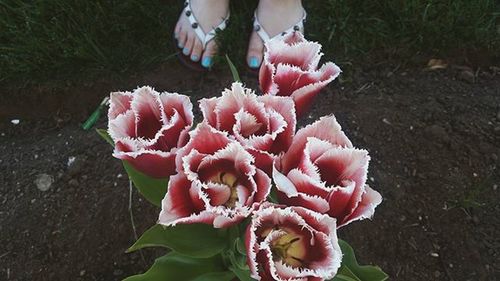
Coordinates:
[207,62]
[194,58]
[253,62]
[185,51]
[176,35]
[180,45]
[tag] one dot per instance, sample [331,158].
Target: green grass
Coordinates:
[57,40]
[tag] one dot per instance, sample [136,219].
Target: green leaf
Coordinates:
[273,196]
[243,275]
[105,135]
[194,240]
[176,267]
[240,246]
[234,71]
[90,122]
[216,276]
[152,189]
[350,270]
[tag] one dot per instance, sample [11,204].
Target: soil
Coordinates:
[433,137]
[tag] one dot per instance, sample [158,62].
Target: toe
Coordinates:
[208,54]
[197,50]
[181,38]
[189,45]
[255,51]
[177,30]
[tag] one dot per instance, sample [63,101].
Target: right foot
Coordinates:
[209,14]
[290,12]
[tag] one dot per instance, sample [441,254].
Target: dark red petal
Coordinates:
[326,128]
[305,184]
[305,94]
[286,108]
[342,201]
[290,78]
[217,193]
[155,164]
[266,74]
[169,135]
[316,204]
[263,160]
[148,111]
[183,203]
[321,223]
[263,183]
[205,139]
[174,103]
[366,208]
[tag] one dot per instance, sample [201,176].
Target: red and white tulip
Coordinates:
[264,125]
[148,127]
[292,243]
[217,182]
[290,68]
[323,172]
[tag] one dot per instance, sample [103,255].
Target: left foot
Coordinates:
[290,11]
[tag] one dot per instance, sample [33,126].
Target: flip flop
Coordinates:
[205,38]
[257,27]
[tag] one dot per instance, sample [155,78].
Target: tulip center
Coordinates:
[290,249]
[229,180]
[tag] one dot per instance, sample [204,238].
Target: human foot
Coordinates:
[202,18]
[269,25]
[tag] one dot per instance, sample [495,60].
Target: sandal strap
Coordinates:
[257,27]
[204,37]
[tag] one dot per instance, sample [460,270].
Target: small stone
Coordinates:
[434,255]
[15,121]
[495,187]
[76,166]
[44,182]
[437,274]
[82,272]
[71,160]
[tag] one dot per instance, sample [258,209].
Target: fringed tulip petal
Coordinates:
[290,68]
[292,243]
[148,127]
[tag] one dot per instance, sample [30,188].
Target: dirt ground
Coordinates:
[434,139]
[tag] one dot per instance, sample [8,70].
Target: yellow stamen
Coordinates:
[230,181]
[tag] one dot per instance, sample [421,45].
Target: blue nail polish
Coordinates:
[176,35]
[206,62]
[254,62]
[185,51]
[180,45]
[194,57]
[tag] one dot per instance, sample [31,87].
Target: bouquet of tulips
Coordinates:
[244,195]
